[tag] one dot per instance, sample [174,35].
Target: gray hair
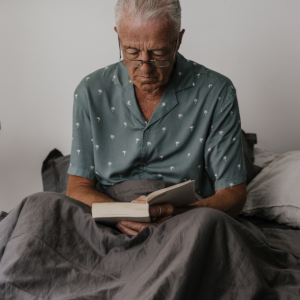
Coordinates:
[170,10]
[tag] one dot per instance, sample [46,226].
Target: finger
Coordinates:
[141,199]
[136,226]
[126,230]
[161,210]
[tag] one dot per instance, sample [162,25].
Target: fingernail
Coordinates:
[121,225]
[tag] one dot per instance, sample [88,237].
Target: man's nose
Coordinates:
[146,67]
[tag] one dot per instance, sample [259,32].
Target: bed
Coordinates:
[51,248]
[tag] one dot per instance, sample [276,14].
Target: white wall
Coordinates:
[47,47]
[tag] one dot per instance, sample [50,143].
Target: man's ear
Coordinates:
[180,38]
[116,30]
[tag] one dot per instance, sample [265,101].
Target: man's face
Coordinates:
[147,41]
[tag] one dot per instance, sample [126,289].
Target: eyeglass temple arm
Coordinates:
[119,47]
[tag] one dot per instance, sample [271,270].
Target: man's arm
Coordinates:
[230,200]
[84,190]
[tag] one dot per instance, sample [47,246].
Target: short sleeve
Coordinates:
[224,157]
[82,156]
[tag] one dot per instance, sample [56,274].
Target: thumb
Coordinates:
[141,199]
[164,210]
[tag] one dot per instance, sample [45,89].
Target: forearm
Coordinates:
[223,202]
[230,201]
[88,195]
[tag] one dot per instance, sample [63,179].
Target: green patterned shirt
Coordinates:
[194,132]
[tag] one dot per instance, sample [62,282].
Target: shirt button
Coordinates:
[147,130]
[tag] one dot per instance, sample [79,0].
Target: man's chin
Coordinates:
[147,86]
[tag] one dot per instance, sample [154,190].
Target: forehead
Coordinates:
[138,33]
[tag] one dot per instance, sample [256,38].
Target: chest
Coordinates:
[147,108]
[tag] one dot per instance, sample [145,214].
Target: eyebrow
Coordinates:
[158,49]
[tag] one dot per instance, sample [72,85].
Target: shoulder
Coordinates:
[98,78]
[211,75]
[94,84]
[219,83]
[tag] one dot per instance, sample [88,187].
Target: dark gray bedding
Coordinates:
[51,248]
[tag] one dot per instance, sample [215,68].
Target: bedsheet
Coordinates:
[51,248]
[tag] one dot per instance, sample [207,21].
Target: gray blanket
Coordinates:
[51,248]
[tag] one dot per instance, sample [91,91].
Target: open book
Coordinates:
[179,195]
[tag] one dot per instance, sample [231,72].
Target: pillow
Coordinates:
[274,194]
[54,172]
[263,157]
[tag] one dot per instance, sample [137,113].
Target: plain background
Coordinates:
[47,47]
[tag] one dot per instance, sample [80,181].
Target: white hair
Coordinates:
[169,10]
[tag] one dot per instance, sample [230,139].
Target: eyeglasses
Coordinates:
[138,63]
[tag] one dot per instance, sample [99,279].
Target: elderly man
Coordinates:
[156,115]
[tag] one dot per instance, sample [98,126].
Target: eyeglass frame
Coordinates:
[149,61]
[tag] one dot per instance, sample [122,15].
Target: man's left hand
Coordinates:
[158,214]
